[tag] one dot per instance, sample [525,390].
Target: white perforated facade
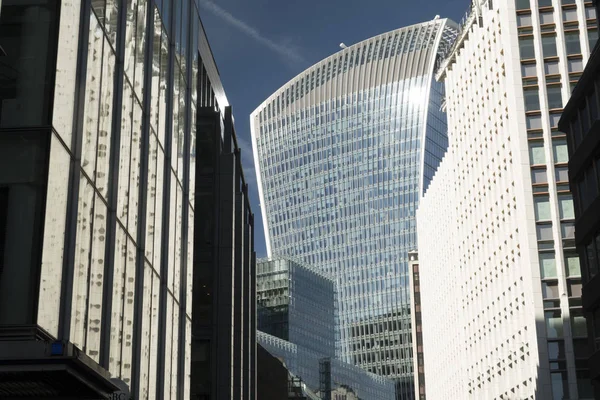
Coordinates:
[500,282]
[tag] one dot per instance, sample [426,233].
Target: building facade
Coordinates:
[297,324]
[100,103]
[344,151]
[417,325]
[500,277]
[580,123]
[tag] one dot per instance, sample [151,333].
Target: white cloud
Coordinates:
[284,50]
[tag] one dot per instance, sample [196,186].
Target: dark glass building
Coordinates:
[116,145]
[581,122]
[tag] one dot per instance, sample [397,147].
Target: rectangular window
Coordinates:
[522,4]
[575,65]
[534,122]
[549,45]
[524,20]
[578,323]
[542,208]
[560,151]
[560,386]
[544,3]
[551,68]
[561,174]
[539,176]
[572,262]
[532,99]
[528,70]
[554,325]
[572,42]
[548,265]
[592,37]
[544,232]
[526,47]
[567,230]
[570,14]
[554,95]
[565,205]
[536,152]
[546,17]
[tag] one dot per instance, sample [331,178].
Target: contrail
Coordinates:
[252,32]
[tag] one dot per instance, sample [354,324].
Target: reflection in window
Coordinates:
[542,208]
[554,325]
[572,263]
[578,324]
[565,205]
[539,176]
[560,386]
[544,232]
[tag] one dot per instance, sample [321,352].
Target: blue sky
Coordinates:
[259,45]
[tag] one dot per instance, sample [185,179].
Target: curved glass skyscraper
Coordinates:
[344,152]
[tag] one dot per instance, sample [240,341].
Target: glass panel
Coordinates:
[544,3]
[54,238]
[160,171]
[560,387]
[560,151]
[524,20]
[536,152]
[140,49]
[554,94]
[556,350]
[82,261]
[156,64]
[528,70]
[539,176]
[28,39]
[575,65]
[168,346]
[526,47]
[554,325]
[118,302]
[551,68]
[542,208]
[578,323]
[532,99]
[111,20]
[130,35]
[572,42]
[549,45]
[547,265]
[592,37]
[522,4]
[573,265]
[590,13]
[584,385]
[105,125]
[134,175]
[154,334]
[146,324]
[565,205]
[92,98]
[544,231]
[163,86]
[567,230]
[554,118]
[574,288]
[151,194]
[546,17]
[96,281]
[570,14]
[562,174]
[128,310]
[534,122]
[125,157]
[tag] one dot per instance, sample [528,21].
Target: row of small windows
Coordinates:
[547,17]
[526,5]
[572,44]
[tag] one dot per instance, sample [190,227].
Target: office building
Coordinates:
[344,151]
[580,122]
[500,277]
[99,132]
[417,325]
[297,324]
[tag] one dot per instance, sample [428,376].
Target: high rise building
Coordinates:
[103,111]
[296,322]
[500,277]
[580,122]
[344,152]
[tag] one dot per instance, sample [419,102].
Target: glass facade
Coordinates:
[99,114]
[344,152]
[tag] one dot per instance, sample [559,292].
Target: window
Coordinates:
[554,118]
[548,265]
[546,17]
[542,208]
[575,65]
[572,42]
[570,14]
[526,47]
[539,176]
[551,68]
[548,45]
[534,122]
[524,20]
[545,3]
[565,205]
[532,99]
[560,151]
[592,37]
[567,230]
[574,287]
[556,349]
[554,325]
[536,152]
[544,232]
[528,70]
[560,387]
[572,263]
[522,4]
[554,95]
[578,324]
[590,13]
[550,290]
